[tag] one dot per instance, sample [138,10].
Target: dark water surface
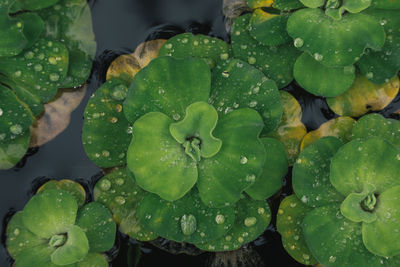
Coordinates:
[121,25]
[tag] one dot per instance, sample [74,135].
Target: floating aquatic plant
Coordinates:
[56,228]
[346,199]
[187,128]
[320,43]
[45,45]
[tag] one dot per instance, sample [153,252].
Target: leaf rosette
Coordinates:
[188,129]
[349,198]
[56,228]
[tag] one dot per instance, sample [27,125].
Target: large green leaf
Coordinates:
[311,173]
[321,80]
[158,161]
[119,192]
[71,22]
[93,260]
[13,40]
[168,85]
[37,256]
[386,4]
[225,176]
[274,169]
[336,241]
[97,223]
[384,64]
[15,116]
[72,187]
[335,42]
[290,216]
[370,161]
[106,132]
[50,213]
[252,219]
[184,45]
[186,219]
[236,84]
[276,62]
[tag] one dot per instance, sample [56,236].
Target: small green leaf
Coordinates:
[36,4]
[269,29]
[335,42]
[236,84]
[290,216]
[225,176]
[355,6]
[376,125]
[168,85]
[96,221]
[74,188]
[11,152]
[93,260]
[276,62]
[287,5]
[364,96]
[321,80]
[37,256]
[311,173]
[386,4]
[119,192]
[186,219]
[352,207]
[252,219]
[199,123]
[185,45]
[106,132]
[381,236]
[259,3]
[158,160]
[50,212]
[75,248]
[313,3]
[33,27]
[370,161]
[275,168]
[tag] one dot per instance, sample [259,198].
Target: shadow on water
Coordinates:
[120,26]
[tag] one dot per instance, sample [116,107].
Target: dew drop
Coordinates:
[298,42]
[38,67]
[119,92]
[176,117]
[369,75]
[220,219]
[332,259]
[253,104]
[168,46]
[52,60]
[250,178]
[29,55]
[113,120]
[105,185]
[16,129]
[120,181]
[1,112]
[260,210]
[243,160]
[224,56]
[318,57]
[225,74]
[250,221]
[228,238]
[105,153]
[252,60]
[188,224]
[18,73]
[54,77]
[120,200]
[16,231]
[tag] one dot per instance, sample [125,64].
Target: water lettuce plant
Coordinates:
[323,44]
[57,228]
[45,45]
[185,136]
[345,211]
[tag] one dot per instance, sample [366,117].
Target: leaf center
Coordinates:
[58,240]
[368,204]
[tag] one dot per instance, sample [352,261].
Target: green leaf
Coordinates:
[313,3]
[381,236]
[290,216]
[276,62]
[50,213]
[321,80]
[13,40]
[275,168]
[364,96]
[36,4]
[376,125]
[33,27]
[236,84]
[93,260]
[269,29]
[259,3]
[39,69]
[384,64]
[287,5]
[386,4]
[185,45]
[75,248]
[335,42]
[15,116]
[19,238]
[355,6]
[340,127]
[291,130]
[11,152]
[199,123]
[360,162]
[106,132]
[336,241]
[186,219]
[158,161]
[311,173]
[168,85]
[119,192]
[71,22]
[74,188]
[252,219]
[38,256]
[97,223]
[225,176]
